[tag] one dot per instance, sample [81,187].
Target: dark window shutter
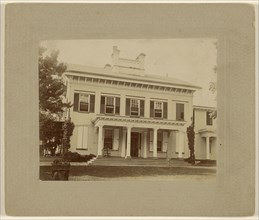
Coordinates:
[127,106]
[92,103]
[141,108]
[76,101]
[102,104]
[117,106]
[165,110]
[151,109]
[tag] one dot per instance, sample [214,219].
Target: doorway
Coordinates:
[135,144]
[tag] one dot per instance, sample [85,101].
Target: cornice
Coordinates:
[129,84]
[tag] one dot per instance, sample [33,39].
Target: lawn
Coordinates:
[110,172]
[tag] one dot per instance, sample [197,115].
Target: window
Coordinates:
[179,112]
[108,138]
[110,105]
[134,107]
[158,109]
[209,120]
[82,137]
[159,141]
[162,141]
[84,102]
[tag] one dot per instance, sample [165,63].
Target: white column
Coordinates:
[207,148]
[97,102]
[128,142]
[155,143]
[123,144]
[100,140]
[144,144]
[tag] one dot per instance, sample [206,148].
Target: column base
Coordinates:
[155,158]
[128,157]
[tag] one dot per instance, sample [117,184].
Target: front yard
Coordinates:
[87,173]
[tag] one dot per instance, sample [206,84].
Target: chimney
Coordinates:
[115,55]
[141,60]
[107,66]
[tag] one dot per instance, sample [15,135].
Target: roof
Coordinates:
[204,108]
[72,68]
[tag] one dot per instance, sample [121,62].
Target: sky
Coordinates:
[190,60]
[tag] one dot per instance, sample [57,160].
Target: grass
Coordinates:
[124,171]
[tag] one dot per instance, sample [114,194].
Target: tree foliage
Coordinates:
[191,139]
[52,103]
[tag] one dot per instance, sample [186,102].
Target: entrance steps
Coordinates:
[148,162]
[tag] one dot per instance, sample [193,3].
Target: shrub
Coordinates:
[76,157]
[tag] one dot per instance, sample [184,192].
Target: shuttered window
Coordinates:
[84,102]
[209,120]
[158,109]
[110,105]
[82,137]
[159,141]
[135,107]
[108,138]
[179,112]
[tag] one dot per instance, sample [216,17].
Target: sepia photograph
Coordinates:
[130,110]
[138,109]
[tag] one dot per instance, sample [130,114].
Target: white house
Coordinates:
[130,112]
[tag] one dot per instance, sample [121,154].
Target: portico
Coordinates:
[140,137]
[208,135]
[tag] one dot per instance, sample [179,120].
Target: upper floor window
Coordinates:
[134,107]
[84,102]
[158,109]
[110,105]
[179,112]
[209,120]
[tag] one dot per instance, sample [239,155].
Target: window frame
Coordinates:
[114,104]
[209,119]
[182,112]
[155,109]
[105,138]
[138,103]
[160,140]
[88,104]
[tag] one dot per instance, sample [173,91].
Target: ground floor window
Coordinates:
[108,138]
[159,141]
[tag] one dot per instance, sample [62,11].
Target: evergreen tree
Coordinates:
[191,138]
[52,104]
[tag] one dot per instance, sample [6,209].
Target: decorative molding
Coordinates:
[142,86]
[146,122]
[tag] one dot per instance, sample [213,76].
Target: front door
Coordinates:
[135,144]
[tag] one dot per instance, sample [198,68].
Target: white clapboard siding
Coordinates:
[116,137]
[80,137]
[165,141]
[85,137]
[151,140]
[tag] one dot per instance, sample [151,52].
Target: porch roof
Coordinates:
[207,132]
[126,121]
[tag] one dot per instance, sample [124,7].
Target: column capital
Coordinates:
[155,129]
[100,126]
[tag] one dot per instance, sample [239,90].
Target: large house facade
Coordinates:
[133,114]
